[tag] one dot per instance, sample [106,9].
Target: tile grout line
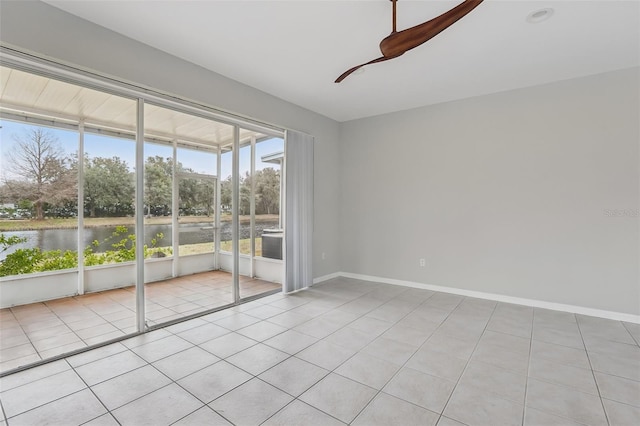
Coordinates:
[66,325]
[332,333]
[416,351]
[458,308]
[293,355]
[150,364]
[475,347]
[526,381]
[172,381]
[637,340]
[593,374]
[545,380]
[26,335]
[101,315]
[94,394]
[302,402]
[205,404]
[364,315]
[42,405]
[93,311]
[296,398]
[100,344]
[4,414]
[53,400]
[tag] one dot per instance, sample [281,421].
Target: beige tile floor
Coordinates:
[37,331]
[348,352]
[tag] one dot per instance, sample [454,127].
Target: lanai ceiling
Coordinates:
[33,98]
[295,49]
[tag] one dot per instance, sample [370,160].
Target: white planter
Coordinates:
[226,261]
[269,269]
[31,288]
[264,268]
[108,277]
[196,263]
[158,269]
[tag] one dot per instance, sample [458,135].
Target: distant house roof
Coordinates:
[275,158]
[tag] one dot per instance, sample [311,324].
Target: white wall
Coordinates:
[506,193]
[47,31]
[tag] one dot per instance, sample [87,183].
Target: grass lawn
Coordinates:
[31,224]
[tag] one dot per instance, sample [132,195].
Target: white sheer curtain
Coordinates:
[299,211]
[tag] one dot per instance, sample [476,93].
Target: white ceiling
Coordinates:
[296,49]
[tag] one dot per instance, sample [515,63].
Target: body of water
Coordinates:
[66,239]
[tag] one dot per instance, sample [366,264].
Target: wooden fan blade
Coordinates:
[350,70]
[399,42]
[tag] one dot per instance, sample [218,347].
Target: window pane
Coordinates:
[46,120]
[197,219]
[193,160]
[225,201]
[158,193]
[244,205]
[109,200]
[109,231]
[196,200]
[180,184]
[38,223]
[268,232]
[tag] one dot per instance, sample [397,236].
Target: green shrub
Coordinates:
[54,260]
[10,241]
[21,261]
[26,261]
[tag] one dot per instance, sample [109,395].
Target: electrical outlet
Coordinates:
[324,255]
[423,263]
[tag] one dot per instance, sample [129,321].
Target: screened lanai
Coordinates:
[199,188]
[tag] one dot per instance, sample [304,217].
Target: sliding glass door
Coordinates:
[262,227]
[182,273]
[258,187]
[152,211]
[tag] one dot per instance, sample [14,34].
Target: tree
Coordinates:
[157,183]
[205,194]
[244,197]
[187,190]
[268,191]
[196,196]
[43,172]
[225,194]
[108,186]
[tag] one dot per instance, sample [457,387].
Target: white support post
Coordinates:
[252,208]
[81,287]
[235,219]
[281,207]
[175,211]
[283,211]
[140,302]
[217,231]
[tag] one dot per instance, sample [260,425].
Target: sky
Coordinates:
[103,146]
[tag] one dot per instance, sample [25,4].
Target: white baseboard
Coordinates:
[327,277]
[618,316]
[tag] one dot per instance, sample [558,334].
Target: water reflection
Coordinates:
[66,239]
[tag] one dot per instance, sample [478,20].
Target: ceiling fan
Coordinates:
[398,42]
